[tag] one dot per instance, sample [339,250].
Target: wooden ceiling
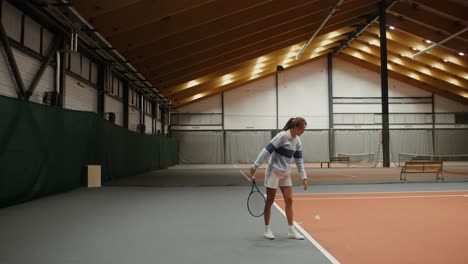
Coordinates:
[191,49]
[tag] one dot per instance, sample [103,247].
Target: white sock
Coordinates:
[291,228]
[267,227]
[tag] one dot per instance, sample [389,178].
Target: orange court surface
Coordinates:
[397,227]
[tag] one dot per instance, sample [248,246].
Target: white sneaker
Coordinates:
[295,235]
[268,234]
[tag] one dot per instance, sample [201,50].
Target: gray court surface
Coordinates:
[121,223]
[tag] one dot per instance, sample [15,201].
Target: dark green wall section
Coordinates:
[43,150]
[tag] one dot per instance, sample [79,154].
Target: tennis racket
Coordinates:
[256,201]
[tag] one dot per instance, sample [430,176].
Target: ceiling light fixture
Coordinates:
[461,53]
[391,27]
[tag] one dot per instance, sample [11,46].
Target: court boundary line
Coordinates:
[380,197]
[310,238]
[248,178]
[300,194]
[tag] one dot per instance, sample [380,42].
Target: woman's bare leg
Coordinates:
[271,193]
[287,195]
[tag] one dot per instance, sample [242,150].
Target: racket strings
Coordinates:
[256,204]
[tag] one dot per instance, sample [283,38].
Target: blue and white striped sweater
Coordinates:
[283,148]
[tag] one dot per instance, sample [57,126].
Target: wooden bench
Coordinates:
[335,160]
[422,167]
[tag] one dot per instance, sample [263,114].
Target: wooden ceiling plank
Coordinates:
[243,23]
[210,13]
[450,8]
[142,13]
[267,26]
[424,18]
[91,9]
[223,55]
[238,38]
[218,27]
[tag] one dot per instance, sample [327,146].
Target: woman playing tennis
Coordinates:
[285,146]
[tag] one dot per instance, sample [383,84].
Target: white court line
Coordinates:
[310,238]
[380,197]
[337,173]
[248,178]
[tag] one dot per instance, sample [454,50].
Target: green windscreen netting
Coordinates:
[43,150]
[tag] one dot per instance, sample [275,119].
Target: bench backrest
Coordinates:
[424,166]
[339,159]
[418,158]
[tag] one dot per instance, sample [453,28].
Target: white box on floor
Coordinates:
[93,176]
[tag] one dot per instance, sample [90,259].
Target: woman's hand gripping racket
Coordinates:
[256,201]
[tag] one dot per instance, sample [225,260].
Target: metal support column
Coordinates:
[222,124]
[434,149]
[331,134]
[278,69]
[384,84]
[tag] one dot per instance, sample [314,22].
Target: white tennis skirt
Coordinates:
[275,178]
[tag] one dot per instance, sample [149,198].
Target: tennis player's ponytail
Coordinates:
[294,122]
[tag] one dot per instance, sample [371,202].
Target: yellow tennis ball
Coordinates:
[317,217]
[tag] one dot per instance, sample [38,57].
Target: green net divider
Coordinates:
[43,150]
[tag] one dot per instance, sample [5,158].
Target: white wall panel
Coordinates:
[301,92]
[443,105]
[352,81]
[409,108]
[28,68]
[397,88]
[32,34]
[113,105]
[47,38]
[148,124]
[80,96]
[133,119]
[252,106]
[11,20]
[7,85]
[158,126]
[210,105]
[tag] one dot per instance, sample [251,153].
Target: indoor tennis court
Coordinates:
[144,131]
